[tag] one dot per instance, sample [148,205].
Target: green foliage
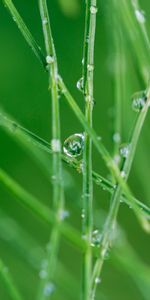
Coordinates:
[91,244]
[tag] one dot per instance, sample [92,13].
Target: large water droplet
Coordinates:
[138,101]
[124,150]
[73,145]
[80,84]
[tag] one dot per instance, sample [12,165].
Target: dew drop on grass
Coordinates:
[44,21]
[93,9]
[124,150]
[140,16]
[43,274]
[63,214]
[138,101]
[123,174]
[97,280]
[83,214]
[96,238]
[49,59]
[73,145]
[49,288]
[90,67]
[80,84]
[56,145]
[116,137]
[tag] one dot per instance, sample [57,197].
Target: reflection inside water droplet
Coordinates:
[138,101]
[73,145]
[124,150]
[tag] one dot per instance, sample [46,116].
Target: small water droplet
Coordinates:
[140,16]
[80,84]
[96,238]
[123,174]
[124,150]
[56,145]
[93,9]
[99,138]
[97,280]
[44,21]
[63,214]
[83,214]
[48,289]
[90,68]
[43,274]
[73,145]
[117,159]
[87,39]
[49,59]
[138,101]
[116,137]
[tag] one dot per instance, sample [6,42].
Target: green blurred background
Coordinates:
[24,95]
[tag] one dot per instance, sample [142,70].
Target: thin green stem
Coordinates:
[8,282]
[41,211]
[25,31]
[87,213]
[105,155]
[119,65]
[110,225]
[31,141]
[58,193]
[99,145]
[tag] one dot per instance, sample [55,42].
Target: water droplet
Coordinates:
[99,138]
[138,101]
[73,145]
[83,214]
[96,238]
[49,59]
[117,159]
[63,214]
[90,67]
[56,145]
[43,274]
[116,137]
[123,174]
[124,150]
[80,84]
[44,21]
[140,16]
[48,289]
[93,9]
[97,280]
[14,19]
